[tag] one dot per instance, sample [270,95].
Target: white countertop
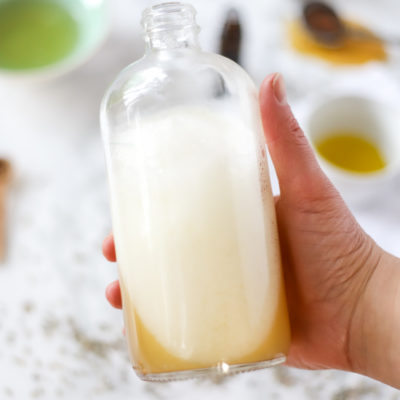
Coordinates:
[58,336]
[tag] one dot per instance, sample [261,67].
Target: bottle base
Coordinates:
[220,370]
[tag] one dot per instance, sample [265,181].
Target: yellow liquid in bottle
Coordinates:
[348,150]
[149,356]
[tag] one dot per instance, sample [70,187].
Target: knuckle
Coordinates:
[296,131]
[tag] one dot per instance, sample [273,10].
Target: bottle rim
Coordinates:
[169,16]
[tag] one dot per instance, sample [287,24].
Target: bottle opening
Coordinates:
[169,16]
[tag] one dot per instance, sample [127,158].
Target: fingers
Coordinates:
[113,291]
[113,294]
[109,248]
[296,166]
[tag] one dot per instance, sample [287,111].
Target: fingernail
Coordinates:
[278,86]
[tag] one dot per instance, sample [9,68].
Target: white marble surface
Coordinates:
[58,336]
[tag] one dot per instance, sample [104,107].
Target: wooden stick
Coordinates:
[5,178]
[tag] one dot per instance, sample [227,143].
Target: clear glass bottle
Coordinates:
[192,209]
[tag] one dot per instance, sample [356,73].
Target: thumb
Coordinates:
[294,160]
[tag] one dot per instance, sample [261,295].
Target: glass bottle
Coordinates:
[192,209]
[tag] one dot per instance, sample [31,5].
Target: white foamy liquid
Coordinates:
[194,251]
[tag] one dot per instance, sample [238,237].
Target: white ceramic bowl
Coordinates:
[376,121]
[92,17]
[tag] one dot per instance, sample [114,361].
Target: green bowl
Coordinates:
[47,38]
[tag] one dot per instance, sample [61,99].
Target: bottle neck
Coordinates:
[170,26]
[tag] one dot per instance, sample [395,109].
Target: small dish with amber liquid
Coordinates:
[357,141]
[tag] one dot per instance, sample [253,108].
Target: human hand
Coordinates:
[333,269]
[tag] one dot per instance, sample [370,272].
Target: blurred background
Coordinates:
[58,336]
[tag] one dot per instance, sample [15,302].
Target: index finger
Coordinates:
[109,248]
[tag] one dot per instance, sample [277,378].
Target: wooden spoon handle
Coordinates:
[5,178]
[3,192]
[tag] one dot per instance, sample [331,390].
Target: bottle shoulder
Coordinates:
[179,76]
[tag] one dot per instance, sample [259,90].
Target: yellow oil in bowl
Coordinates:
[351,152]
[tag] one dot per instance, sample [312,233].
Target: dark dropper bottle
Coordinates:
[231,37]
